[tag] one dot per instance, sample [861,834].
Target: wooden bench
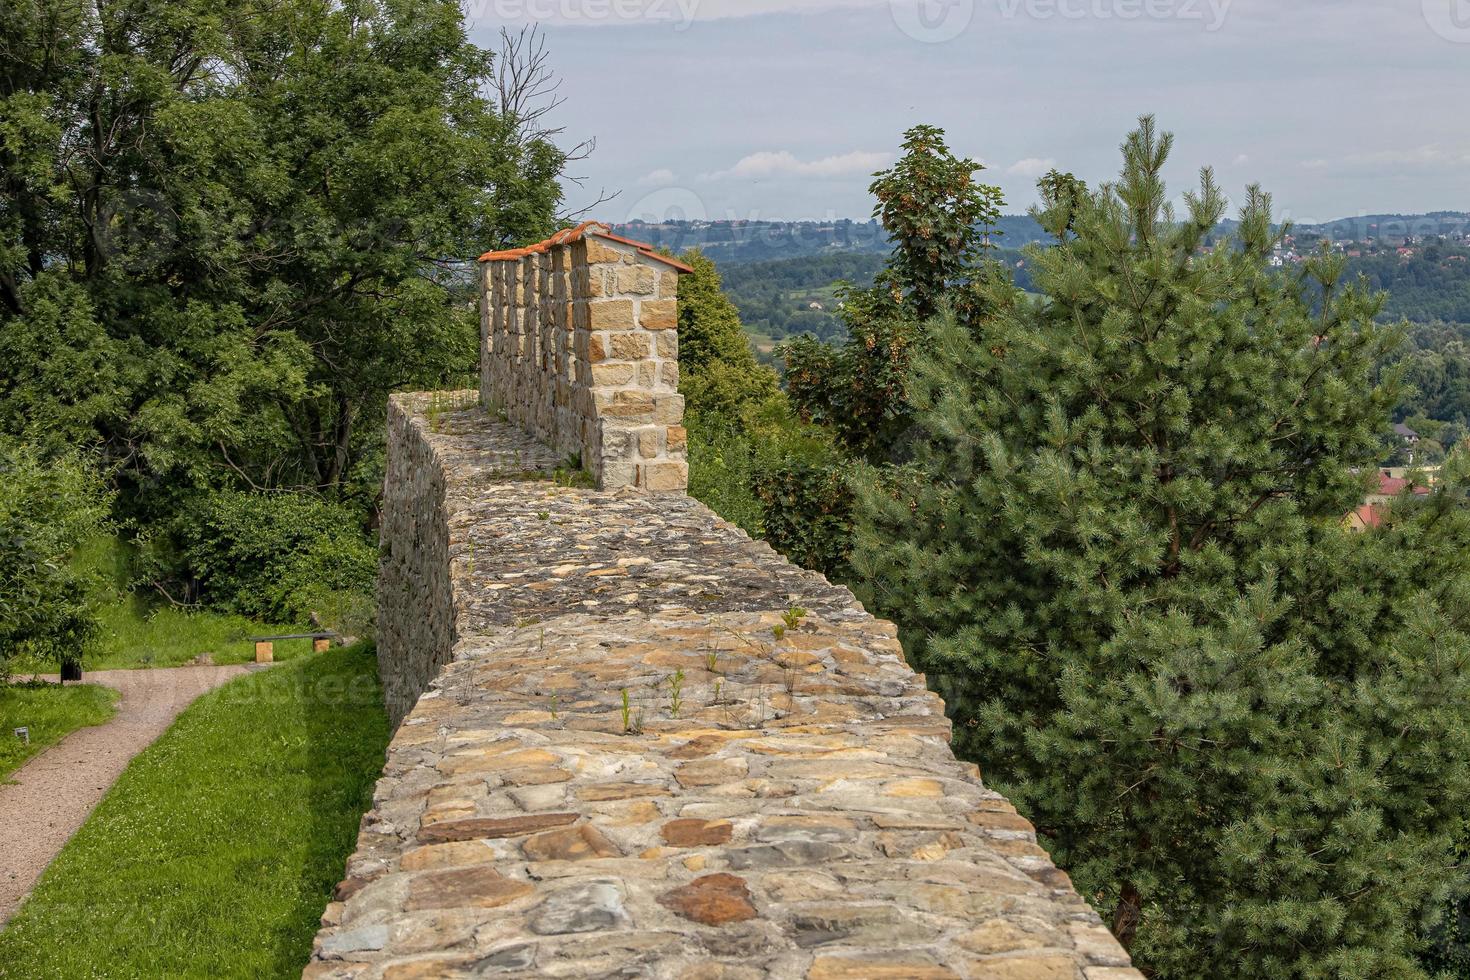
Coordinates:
[265,646]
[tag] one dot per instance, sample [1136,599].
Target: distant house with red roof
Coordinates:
[1365,518]
[1390,486]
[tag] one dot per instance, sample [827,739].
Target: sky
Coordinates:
[782,109]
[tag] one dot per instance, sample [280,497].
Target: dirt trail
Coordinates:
[53,793]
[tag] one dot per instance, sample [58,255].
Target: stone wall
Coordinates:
[579,346]
[659,749]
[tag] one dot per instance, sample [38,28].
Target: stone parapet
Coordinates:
[580,345]
[659,749]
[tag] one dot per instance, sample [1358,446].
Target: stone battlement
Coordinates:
[579,345]
[634,742]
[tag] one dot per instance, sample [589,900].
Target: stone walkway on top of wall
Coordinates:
[644,762]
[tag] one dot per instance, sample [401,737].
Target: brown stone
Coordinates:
[678,438]
[477,762]
[659,314]
[637,279]
[691,832]
[456,854]
[611,314]
[536,776]
[1005,936]
[599,792]
[1051,967]
[631,346]
[879,967]
[612,374]
[488,827]
[478,887]
[711,772]
[664,476]
[713,900]
[1002,821]
[573,844]
[597,251]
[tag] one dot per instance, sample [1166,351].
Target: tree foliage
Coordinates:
[1245,732]
[48,507]
[940,222]
[226,232]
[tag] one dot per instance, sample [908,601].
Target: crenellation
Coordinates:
[572,334]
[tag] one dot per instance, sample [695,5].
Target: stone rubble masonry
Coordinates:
[625,768]
[579,344]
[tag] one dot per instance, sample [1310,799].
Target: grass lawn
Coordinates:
[218,848]
[51,712]
[139,630]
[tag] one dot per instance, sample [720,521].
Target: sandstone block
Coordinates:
[630,346]
[637,279]
[598,251]
[573,844]
[612,374]
[485,828]
[663,477]
[611,314]
[696,833]
[480,887]
[659,314]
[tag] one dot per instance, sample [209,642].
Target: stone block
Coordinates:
[648,442]
[599,251]
[677,438]
[630,346]
[611,314]
[659,314]
[664,477]
[668,409]
[639,280]
[612,374]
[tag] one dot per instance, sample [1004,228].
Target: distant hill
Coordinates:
[732,243]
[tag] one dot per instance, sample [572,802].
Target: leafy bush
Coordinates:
[806,510]
[277,556]
[48,506]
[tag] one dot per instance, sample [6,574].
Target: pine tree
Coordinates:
[1119,551]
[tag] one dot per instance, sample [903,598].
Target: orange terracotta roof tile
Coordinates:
[569,235]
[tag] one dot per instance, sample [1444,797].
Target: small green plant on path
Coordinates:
[219,847]
[48,712]
[632,720]
[676,693]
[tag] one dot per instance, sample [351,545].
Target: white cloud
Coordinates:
[784,163]
[1242,159]
[663,175]
[1031,167]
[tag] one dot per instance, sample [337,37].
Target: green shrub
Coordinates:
[275,556]
[806,510]
[48,506]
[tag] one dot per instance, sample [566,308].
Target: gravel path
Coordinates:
[54,792]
